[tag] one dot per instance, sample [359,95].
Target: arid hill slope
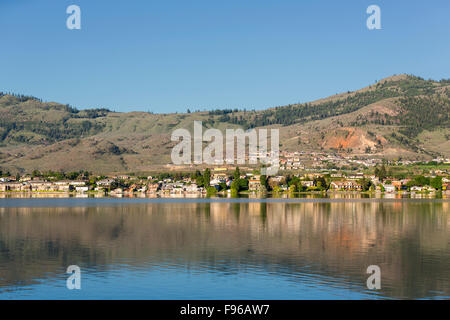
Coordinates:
[399,116]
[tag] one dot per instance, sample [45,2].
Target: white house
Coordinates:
[82,189]
[389,188]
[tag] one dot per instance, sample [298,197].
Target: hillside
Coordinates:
[399,116]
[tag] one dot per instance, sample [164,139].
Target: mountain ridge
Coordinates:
[401,115]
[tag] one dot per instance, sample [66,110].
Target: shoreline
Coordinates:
[229,195]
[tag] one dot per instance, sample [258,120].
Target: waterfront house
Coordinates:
[307,183]
[192,188]
[42,186]
[117,191]
[81,189]
[172,187]
[153,187]
[166,187]
[405,181]
[423,188]
[105,183]
[14,186]
[79,183]
[142,189]
[397,184]
[254,183]
[276,181]
[63,186]
[347,185]
[132,188]
[177,188]
[337,185]
[389,188]
[221,177]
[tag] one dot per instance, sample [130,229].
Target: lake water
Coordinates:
[224,248]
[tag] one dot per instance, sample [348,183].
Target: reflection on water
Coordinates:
[223,250]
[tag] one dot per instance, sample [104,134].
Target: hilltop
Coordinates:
[400,116]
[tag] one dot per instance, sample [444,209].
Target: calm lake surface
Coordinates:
[224,248]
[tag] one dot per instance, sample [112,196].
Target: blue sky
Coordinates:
[167,56]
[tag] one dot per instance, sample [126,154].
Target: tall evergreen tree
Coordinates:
[237,174]
[206,177]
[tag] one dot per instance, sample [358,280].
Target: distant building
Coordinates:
[14,186]
[397,184]
[345,185]
[389,188]
[105,183]
[307,183]
[78,183]
[153,187]
[192,188]
[117,191]
[64,186]
[219,177]
[82,189]
[254,183]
